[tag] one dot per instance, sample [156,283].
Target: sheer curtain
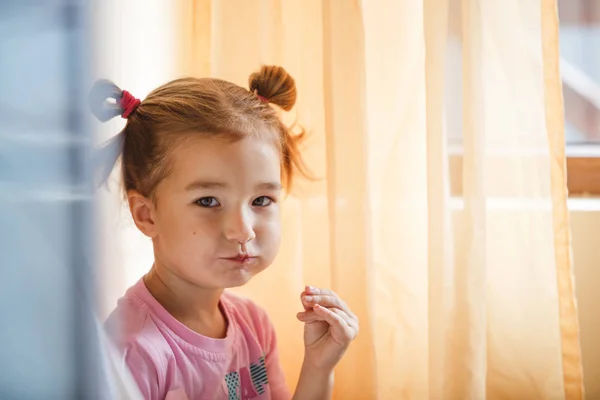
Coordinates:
[466,297]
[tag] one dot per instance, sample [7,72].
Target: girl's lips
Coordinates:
[241,258]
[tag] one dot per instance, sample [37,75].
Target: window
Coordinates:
[580,72]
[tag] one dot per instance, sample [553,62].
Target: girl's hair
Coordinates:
[192,106]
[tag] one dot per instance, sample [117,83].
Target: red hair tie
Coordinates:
[262,98]
[128,103]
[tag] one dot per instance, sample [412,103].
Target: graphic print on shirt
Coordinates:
[247,383]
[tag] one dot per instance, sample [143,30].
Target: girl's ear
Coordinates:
[143,211]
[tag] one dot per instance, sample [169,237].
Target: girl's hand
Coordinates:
[329,327]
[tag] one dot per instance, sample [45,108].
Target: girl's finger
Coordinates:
[352,323]
[335,321]
[326,298]
[310,316]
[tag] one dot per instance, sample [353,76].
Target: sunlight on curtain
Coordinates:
[467,297]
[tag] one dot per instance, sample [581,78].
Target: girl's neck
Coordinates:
[195,307]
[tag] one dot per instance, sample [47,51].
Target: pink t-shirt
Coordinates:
[170,361]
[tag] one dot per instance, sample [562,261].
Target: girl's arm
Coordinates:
[329,328]
[314,385]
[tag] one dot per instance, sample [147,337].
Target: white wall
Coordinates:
[585,228]
[133,48]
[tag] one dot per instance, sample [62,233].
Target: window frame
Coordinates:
[583,175]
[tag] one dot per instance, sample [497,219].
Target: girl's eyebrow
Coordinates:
[269,186]
[197,185]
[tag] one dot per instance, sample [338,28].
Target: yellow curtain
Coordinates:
[464,297]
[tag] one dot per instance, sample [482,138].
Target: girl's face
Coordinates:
[216,218]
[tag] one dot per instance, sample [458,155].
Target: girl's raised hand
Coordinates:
[329,327]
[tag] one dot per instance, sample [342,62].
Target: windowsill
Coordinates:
[591,150]
[583,167]
[574,204]
[591,204]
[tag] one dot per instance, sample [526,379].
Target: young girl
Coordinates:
[204,162]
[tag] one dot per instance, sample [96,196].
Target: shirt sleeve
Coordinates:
[145,372]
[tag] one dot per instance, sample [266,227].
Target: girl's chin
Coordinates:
[240,274]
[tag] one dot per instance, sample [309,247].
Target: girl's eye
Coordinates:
[262,201]
[208,202]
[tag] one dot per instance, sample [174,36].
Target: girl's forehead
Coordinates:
[215,158]
[218,149]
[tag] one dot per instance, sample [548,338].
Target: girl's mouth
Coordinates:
[241,258]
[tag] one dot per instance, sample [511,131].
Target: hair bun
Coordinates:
[103,109]
[274,84]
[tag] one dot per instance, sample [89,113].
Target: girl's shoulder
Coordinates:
[127,322]
[139,342]
[133,330]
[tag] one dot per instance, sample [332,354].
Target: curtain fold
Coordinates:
[435,26]
[569,323]
[468,297]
